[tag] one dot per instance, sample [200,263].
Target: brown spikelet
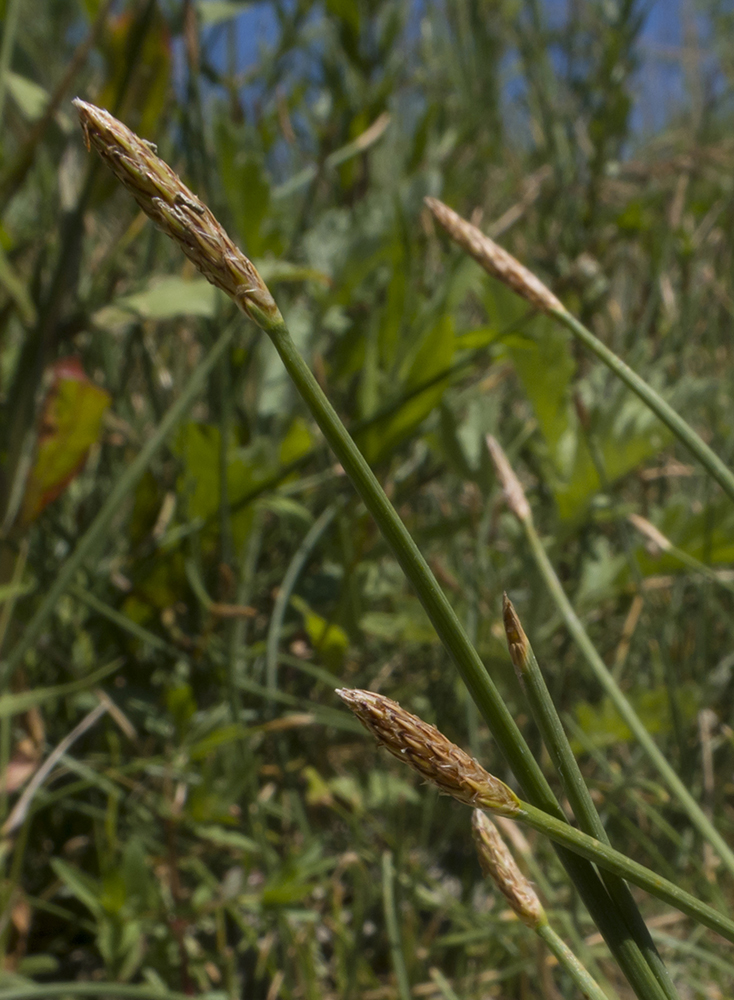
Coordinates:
[427,751]
[176,210]
[512,490]
[517,641]
[493,258]
[498,864]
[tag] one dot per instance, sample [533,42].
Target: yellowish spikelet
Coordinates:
[427,751]
[177,211]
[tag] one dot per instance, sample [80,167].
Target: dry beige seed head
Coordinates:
[427,751]
[517,641]
[176,210]
[650,532]
[511,488]
[493,258]
[498,864]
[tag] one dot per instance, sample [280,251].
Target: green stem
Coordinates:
[39,991]
[619,864]
[393,927]
[573,966]
[290,579]
[12,10]
[555,739]
[467,660]
[99,527]
[680,428]
[695,813]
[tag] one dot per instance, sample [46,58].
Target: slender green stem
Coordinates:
[680,428]
[290,579]
[694,811]
[6,616]
[126,624]
[467,660]
[573,966]
[555,739]
[238,627]
[99,527]
[393,927]
[12,11]
[39,991]
[619,864]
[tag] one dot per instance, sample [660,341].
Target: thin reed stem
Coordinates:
[556,742]
[619,864]
[672,420]
[656,757]
[573,965]
[518,504]
[392,926]
[299,560]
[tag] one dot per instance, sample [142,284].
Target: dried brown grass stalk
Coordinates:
[427,751]
[493,258]
[177,211]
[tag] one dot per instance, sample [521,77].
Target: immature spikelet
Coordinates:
[493,258]
[176,210]
[513,492]
[517,641]
[427,751]
[498,864]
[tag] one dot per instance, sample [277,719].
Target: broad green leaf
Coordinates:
[171,296]
[297,442]
[631,434]
[223,837]
[198,445]
[409,623]
[433,357]
[603,725]
[388,790]
[30,96]
[330,640]
[70,423]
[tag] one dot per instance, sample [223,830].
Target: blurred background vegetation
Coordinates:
[225,825]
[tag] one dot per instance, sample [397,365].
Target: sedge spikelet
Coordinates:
[493,258]
[430,753]
[517,641]
[498,864]
[177,211]
[512,489]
